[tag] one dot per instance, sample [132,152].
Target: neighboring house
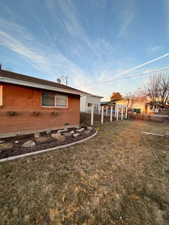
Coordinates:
[137,104]
[31,104]
[87,100]
[107,104]
[140,104]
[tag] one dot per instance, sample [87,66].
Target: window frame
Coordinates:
[55,106]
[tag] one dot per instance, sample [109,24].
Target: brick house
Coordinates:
[29,104]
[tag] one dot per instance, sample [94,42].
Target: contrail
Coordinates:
[138,67]
[143,73]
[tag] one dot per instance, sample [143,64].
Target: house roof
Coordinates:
[135,98]
[86,93]
[105,102]
[29,81]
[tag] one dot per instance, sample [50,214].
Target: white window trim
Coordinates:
[56,106]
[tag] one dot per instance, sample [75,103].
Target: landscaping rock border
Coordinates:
[49,149]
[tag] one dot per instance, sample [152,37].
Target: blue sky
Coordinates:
[90,41]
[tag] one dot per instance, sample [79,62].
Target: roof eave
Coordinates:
[84,94]
[35,85]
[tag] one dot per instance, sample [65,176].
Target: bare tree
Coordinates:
[130,99]
[158,89]
[164,89]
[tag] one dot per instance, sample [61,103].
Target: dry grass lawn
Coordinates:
[120,177]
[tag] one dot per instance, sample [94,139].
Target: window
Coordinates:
[60,100]
[89,104]
[48,100]
[52,100]
[136,110]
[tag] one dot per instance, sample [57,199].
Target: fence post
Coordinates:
[99,109]
[106,110]
[122,111]
[111,114]
[92,115]
[102,114]
[117,112]
[126,116]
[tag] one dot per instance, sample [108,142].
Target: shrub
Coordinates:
[36,113]
[54,113]
[12,113]
[66,124]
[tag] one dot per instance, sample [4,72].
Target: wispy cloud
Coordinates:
[71,22]
[37,59]
[62,45]
[155,49]
[127,16]
[53,63]
[166,10]
[14,29]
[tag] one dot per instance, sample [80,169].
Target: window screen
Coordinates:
[61,100]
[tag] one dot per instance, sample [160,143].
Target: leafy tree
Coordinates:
[116,96]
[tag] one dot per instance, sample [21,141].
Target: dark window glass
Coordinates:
[48,99]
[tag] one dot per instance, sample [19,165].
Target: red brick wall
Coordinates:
[24,101]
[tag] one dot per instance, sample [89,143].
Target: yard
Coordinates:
[120,177]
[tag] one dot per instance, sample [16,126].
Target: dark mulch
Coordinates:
[17,148]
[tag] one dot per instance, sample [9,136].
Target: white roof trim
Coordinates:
[88,94]
[34,85]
